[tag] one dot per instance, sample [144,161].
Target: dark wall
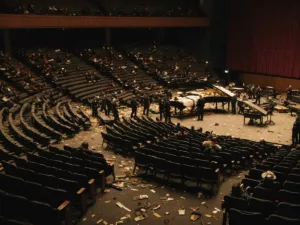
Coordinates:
[264,37]
[56,37]
[218,33]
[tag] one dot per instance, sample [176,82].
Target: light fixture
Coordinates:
[206,62]
[226,71]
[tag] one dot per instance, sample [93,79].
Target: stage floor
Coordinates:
[105,207]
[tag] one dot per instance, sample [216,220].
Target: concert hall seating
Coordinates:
[161,148]
[50,7]
[113,63]
[279,205]
[63,183]
[175,8]
[163,64]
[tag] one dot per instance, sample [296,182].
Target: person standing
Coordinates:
[115,111]
[297,124]
[103,105]
[233,104]
[294,135]
[108,104]
[257,95]
[146,103]
[94,107]
[134,106]
[289,93]
[200,107]
[161,108]
[167,111]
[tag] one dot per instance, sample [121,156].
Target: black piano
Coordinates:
[225,97]
[255,112]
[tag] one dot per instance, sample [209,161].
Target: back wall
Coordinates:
[264,37]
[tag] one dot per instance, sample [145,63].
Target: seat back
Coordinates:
[250,182]
[264,193]
[265,207]
[238,217]
[288,210]
[288,196]
[280,220]
[292,186]
[231,202]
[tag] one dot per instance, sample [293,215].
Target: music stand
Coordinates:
[270,122]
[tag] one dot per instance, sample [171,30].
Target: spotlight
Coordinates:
[206,62]
[226,71]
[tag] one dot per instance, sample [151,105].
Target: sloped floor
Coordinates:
[106,210]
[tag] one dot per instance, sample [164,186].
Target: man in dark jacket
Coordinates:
[115,111]
[134,106]
[161,105]
[94,107]
[108,105]
[167,111]
[103,105]
[200,108]
[297,127]
[258,95]
[146,103]
[233,104]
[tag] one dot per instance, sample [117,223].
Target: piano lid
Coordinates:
[224,90]
[256,107]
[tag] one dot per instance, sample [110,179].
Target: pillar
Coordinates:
[7,42]
[107,36]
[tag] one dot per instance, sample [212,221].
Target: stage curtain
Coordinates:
[264,37]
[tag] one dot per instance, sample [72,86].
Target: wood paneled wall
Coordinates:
[278,83]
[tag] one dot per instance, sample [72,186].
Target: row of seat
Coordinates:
[280,202]
[19,199]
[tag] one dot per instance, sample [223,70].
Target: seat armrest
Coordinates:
[63,206]
[80,191]
[91,181]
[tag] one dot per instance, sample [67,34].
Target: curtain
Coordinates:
[264,37]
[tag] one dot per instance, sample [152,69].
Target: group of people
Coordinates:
[107,104]
[254,92]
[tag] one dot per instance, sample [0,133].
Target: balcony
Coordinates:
[8,21]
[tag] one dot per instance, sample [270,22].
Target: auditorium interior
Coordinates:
[109,110]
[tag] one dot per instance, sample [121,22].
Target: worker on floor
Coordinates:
[200,107]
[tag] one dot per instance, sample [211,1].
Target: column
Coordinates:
[107,36]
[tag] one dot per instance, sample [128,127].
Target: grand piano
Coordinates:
[216,95]
[254,112]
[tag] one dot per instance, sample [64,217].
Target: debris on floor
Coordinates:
[140,197]
[181,212]
[195,216]
[157,215]
[141,217]
[122,206]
